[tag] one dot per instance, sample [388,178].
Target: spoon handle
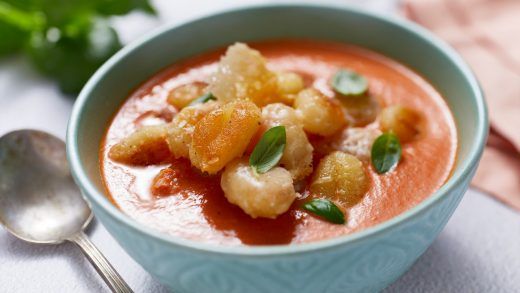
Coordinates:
[101,264]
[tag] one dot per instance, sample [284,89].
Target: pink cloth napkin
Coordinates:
[487,34]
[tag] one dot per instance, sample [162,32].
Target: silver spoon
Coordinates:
[39,201]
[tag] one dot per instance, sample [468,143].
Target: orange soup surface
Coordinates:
[189,204]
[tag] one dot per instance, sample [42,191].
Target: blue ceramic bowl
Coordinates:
[365,261]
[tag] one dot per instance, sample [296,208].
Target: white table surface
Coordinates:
[478,251]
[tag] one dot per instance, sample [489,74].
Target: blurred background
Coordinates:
[49,48]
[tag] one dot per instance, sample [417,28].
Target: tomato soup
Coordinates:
[188,203]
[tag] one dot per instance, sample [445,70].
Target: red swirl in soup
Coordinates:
[277,142]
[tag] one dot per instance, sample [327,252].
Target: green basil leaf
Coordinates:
[325,209]
[268,151]
[203,99]
[386,152]
[349,83]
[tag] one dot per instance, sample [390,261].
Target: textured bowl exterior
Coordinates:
[368,265]
[366,261]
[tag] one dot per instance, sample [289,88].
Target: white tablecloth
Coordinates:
[478,251]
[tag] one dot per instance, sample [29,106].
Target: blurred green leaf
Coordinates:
[26,5]
[23,20]
[11,40]
[15,25]
[120,7]
[71,61]
[65,40]
[55,12]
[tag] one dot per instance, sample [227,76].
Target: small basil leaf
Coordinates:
[325,209]
[386,152]
[349,83]
[203,99]
[268,151]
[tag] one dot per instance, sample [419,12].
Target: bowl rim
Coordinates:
[463,170]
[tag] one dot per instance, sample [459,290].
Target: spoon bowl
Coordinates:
[39,201]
